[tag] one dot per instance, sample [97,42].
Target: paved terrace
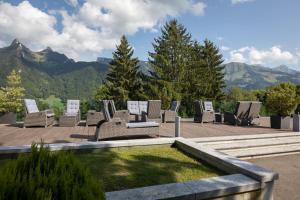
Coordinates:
[14,135]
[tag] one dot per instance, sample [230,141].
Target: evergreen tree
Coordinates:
[123,80]
[212,60]
[169,60]
[11,95]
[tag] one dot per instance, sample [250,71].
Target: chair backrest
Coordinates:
[31,106]
[73,106]
[112,107]
[242,109]
[198,107]
[154,109]
[254,109]
[175,106]
[105,111]
[208,106]
[133,107]
[143,106]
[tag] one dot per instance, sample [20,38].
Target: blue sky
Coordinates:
[252,31]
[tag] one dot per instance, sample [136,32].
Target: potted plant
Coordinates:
[11,98]
[281,100]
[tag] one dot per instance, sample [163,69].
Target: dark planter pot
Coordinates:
[8,118]
[280,122]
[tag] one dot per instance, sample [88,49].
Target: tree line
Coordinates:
[181,68]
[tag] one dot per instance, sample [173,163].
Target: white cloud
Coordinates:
[198,8]
[225,48]
[220,38]
[237,57]
[240,1]
[93,27]
[272,56]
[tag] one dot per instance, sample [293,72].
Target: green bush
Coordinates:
[281,99]
[46,175]
[53,103]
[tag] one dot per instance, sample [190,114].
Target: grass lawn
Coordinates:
[124,168]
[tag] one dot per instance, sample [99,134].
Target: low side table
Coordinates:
[93,117]
[218,117]
[68,121]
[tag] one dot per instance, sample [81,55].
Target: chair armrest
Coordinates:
[37,114]
[122,114]
[144,116]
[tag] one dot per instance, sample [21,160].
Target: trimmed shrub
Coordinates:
[282,99]
[46,175]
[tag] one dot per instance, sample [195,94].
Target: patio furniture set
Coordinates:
[245,114]
[34,117]
[140,118]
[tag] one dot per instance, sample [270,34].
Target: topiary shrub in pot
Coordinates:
[281,101]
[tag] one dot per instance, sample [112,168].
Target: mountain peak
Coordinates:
[16,43]
[48,49]
[284,68]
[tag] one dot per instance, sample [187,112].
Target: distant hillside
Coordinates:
[48,73]
[256,76]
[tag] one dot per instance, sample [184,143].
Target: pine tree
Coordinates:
[11,95]
[169,59]
[212,60]
[123,80]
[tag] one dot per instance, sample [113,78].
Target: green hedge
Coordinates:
[46,175]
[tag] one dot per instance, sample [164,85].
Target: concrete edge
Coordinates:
[242,137]
[226,162]
[89,145]
[197,189]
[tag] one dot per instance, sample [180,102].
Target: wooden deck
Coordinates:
[14,135]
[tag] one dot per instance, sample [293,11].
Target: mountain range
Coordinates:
[47,72]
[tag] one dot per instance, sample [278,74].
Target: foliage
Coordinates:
[183,69]
[282,99]
[236,93]
[53,103]
[11,95]
[169,60]
[123,80]
[297,111]
[46,175]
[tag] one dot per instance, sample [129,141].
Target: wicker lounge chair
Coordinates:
[171,114]
[153,112]
[122,114]
[254,112]
[72,115]
[202,114]
[116,127]
[240,116]
[34,117]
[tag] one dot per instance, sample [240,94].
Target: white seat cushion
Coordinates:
[71,114]
[133,107]
[31,106]
[73,106]
[142,124]
[208,106]
[50,114]
[143,106]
